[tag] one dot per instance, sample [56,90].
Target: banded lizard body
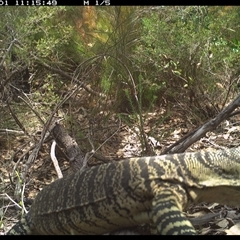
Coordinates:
[127,193]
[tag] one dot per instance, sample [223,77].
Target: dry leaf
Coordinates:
[233,215]
[223,223]
[234,230]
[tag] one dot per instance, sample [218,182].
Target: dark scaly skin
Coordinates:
[130,192]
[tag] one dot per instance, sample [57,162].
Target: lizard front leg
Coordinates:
[167,215]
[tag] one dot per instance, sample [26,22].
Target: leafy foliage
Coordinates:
[181,57]
[186,52]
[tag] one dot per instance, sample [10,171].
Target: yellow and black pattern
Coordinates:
[130,192]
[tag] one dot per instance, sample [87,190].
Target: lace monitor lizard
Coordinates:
[130,192]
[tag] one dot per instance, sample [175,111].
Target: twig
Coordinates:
[54,159]
[11,200]
[9,131]
[16,119]
[19,159]
[36,113]
[94,151]
[22,195]
[8,50]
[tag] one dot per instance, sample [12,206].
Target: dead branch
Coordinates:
[201,131]
[73,152]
